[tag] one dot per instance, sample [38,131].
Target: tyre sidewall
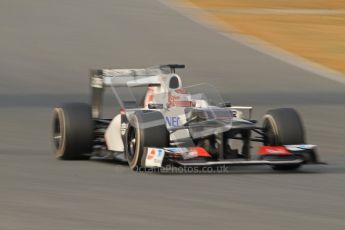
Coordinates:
[76,128]
[287,126]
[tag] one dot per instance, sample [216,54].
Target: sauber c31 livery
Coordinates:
[163,123]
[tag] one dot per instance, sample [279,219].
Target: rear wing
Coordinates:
[103,78]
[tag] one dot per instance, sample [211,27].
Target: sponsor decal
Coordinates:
[176,150]
[191,154]
[154,157]
[187,153]
[172,121]
[299,147]
[160,153]
[181,90]
[151,154]
[196,152]
[201,152]
[179,100]
[274,150]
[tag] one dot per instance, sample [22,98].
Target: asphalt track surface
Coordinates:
[46,49]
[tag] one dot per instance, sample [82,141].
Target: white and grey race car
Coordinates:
[161,123]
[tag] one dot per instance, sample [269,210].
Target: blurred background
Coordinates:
[46,50]
[313,29]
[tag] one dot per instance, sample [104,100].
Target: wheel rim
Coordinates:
[57,134]
[270,138]
[132,142]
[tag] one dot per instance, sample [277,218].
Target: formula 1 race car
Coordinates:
[160,123]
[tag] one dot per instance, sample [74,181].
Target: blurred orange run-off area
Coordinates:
[313,29]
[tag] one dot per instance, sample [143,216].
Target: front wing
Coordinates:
[199,157]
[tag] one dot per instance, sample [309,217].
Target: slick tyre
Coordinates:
[73,131]
[145,129]
[283,127]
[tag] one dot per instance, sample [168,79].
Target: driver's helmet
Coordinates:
[180,98]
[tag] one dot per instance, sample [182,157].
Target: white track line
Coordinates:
[288,11]
[199,16]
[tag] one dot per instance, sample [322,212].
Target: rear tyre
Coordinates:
[146,129]
[73,131]
[283,127]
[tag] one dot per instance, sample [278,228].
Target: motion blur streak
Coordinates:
[46,49]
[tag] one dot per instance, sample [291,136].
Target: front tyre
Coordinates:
[73,131]
[283,127]
[146,129]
